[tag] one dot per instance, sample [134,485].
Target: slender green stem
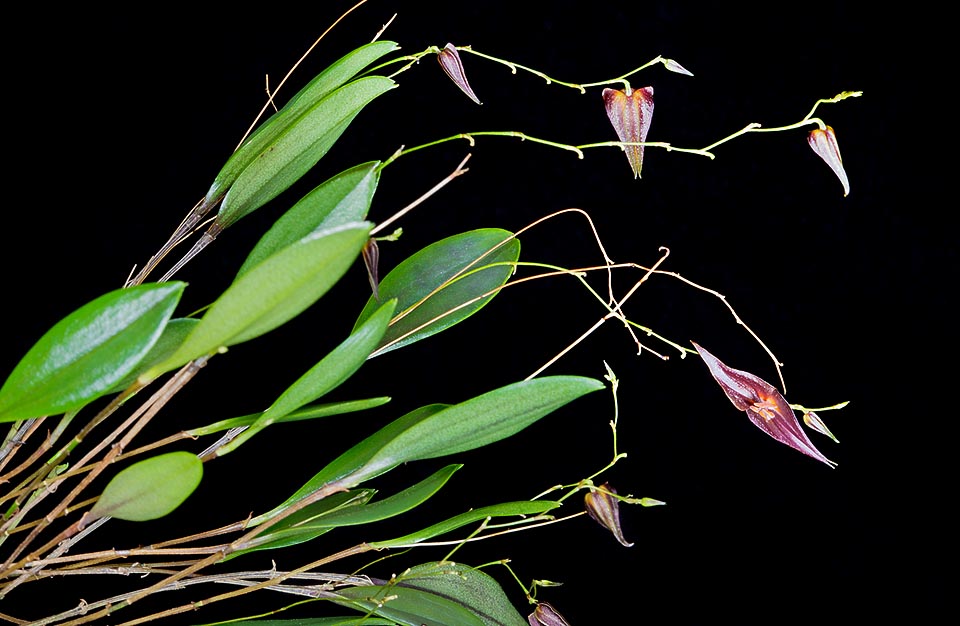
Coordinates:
[581,87]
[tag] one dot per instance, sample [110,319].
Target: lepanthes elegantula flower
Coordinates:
[763,404]
[630,111]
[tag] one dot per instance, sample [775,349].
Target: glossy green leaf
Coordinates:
[298,147]
[343,198]
[332,370]
[150,488]
[335,76]
[505,509]
[85,355]
[174,334]
[442,284]
[325,409]
[410,607]
[477,422]
[354,458]
[307,524]
[272,293]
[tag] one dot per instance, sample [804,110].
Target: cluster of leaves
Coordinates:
[111,350]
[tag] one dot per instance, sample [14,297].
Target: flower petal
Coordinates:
[546,615]
[450,62]
[824,143]
[630,112]
[763,404]
[604,509]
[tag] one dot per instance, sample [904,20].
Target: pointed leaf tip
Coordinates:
[450,62]
[823,141]
[763,404]
[630,112]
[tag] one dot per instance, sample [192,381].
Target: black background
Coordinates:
[121,120]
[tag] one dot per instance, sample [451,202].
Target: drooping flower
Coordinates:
[763,404]
[546,615]
[824,143]
[449,59]
[630,112]
[604,509]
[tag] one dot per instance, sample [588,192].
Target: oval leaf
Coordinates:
[275,291]
[470,587]
[151,488]
[298,148]
[322,85]
[86,354]
[344,198]
[442,284]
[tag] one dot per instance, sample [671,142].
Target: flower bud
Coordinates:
[450,62]
[546,615]
[604,508]
[824,143]
[813,420]
[630,112]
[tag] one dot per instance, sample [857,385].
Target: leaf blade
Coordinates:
[86,354]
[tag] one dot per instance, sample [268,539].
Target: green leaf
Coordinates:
[174,334]
[298,148]
[325,376]
[477,422]
[354,458]
[475,590]
[85,355]
[505,509]
[325,409]
[343,198]
[272,293]
[288,531]
[301,527]
[150,488]
[317,621]
[438,594]
[442,284]
[410,607]
[322,85]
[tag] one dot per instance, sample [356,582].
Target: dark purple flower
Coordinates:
[604,508]
[630,112]
[546,615]
[450,62]
[763,404]
[824,143]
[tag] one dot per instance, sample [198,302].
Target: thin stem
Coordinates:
[145,413]
[581,87]
[459,170]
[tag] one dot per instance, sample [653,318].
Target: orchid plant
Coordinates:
[80,399]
